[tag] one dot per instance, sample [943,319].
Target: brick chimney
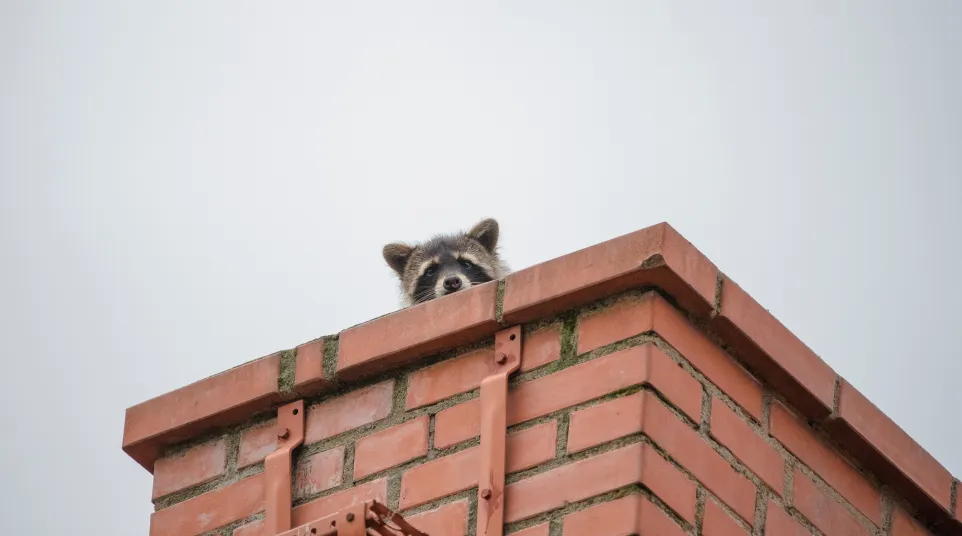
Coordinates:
[647,393]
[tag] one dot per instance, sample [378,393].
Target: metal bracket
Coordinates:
[494,417]
[277,467]
[358,520]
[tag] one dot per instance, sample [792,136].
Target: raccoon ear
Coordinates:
[485,232]
[397,256]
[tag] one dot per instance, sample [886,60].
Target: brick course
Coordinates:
[779,522]
[811,450]
[198,465]
[391,447]
[628,415]
[319,472]
[457,472]
[822,510]
[718,523]
[747,445]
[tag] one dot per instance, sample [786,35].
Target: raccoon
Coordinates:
[446,263]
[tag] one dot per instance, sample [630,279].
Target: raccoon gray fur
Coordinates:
[446,263]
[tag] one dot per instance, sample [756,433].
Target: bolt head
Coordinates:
[283,433]
[485,494]
[350,517]
[502,358]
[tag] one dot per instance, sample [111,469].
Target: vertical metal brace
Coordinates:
[277,467]
[494,424]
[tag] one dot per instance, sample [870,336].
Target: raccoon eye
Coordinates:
[431,269]
[466,264]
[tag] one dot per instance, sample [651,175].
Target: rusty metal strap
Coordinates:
[494,417]
[277,467]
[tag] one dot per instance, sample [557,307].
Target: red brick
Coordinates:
[777,522]
[414,332]
[644,364]
[605,422]
[319,472]
[613,518]
[827,515]
[573,482]
[226,398]
[448,378]
[309,368]
[675,384]
[200,464]
[655,256]
[448,520]
[257,443]
[837,472]
[459,471]
[633,514]
[718,523]
[684,445]
[348,411]
[537,530]
[905,525]
[886,449]
[634,366]
[331,504]
[324,420]
[325,506]
[707,358]
[655,522]
[621,417]
[531,446]
[651,312]
[636,463]
[669,484]
[457,423]
[211,510]
[749,447]
[775,352]
[627,318]
[391,447]
[540,348]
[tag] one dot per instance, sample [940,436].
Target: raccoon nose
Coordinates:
[452,283]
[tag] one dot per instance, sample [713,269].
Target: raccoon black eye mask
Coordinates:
[446,264]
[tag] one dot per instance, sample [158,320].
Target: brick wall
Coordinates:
[633,412]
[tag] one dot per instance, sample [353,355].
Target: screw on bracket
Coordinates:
[350,517]
[502,358]
[283,433]
[485,494]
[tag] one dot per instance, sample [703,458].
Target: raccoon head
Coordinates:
[446,263]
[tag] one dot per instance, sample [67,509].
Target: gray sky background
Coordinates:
[190,185]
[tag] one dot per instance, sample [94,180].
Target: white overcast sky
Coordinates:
[185,186]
